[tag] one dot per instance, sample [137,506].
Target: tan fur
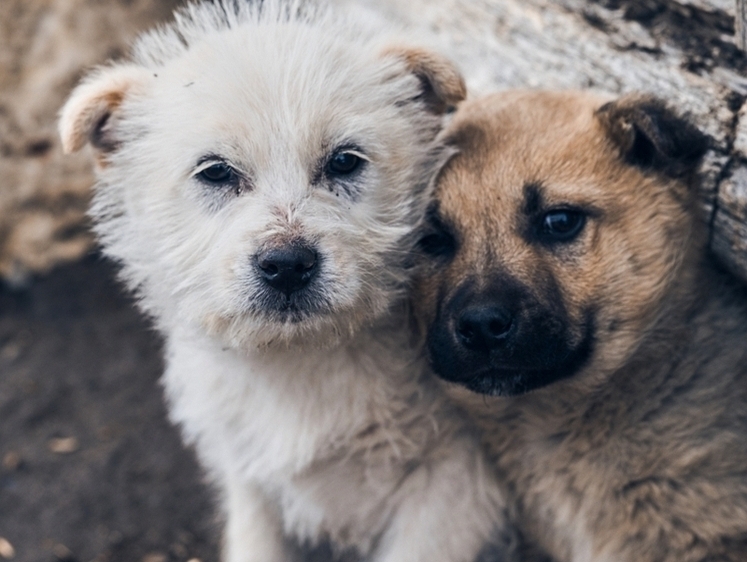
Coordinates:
[81,117]
[443,79]
[641,455]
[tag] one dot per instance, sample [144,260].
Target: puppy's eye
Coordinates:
[343,164]
[438,245]
[218,173]
[562,225]
[438,242]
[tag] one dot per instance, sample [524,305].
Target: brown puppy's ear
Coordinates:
[652,136]
[89,115]
[442,83]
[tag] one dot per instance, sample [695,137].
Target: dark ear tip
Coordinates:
[101,136]
[651,134]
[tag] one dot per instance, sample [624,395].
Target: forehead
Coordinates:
[511,143]
[278,86]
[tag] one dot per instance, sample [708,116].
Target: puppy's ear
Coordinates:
[442,83]
[652,136]
[89,115]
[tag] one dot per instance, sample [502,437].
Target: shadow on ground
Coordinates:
[78,375]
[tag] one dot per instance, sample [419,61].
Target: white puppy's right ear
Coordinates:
[442,84]
[90,113]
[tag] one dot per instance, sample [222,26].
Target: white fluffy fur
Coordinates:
[327,427]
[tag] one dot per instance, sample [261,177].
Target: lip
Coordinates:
[481,375]
[505,381]
[297,307]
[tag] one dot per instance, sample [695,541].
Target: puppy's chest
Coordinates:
[562,486]
[272,417]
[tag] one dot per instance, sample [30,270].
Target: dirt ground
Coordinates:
[78,373]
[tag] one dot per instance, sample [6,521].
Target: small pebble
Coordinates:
[155,557]
[63,445]
[6,549]
[62,552]
[12,460]
[10,352]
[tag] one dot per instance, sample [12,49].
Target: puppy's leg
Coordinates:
[449,512]
[254,530]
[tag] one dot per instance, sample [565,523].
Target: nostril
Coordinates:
[465,331]
[268,267]
[498,327]
[482,328]
[288,268]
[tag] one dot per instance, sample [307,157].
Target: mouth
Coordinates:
[509,382]
[490,374]
[294,308]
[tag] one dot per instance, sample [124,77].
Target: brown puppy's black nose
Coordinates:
[287,269]
[483,328]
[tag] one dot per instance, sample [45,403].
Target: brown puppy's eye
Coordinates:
[438,244]
[438,240]
[562,225]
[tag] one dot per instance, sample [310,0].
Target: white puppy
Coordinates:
[262,170]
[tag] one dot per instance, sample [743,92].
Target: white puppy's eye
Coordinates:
[344,162]
[217,173]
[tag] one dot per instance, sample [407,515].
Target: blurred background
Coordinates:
[90,470]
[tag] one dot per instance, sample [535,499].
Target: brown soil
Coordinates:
[78,361]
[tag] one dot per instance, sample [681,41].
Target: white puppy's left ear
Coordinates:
[442,84]
[89,115]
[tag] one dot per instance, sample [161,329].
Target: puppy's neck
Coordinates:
[322,397]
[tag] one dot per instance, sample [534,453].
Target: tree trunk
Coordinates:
[683,51]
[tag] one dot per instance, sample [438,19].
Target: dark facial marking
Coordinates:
[533,199]
[504,339]
[511,383]
[438,240]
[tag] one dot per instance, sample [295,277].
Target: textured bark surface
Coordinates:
[682,50]
[45,46]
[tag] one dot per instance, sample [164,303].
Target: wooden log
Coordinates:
[682,50]
[740,23]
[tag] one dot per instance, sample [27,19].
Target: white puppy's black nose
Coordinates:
[287,269]
[483,328]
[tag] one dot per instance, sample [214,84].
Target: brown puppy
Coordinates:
[565,258]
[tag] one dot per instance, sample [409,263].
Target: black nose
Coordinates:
[287,269]
[483,328]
